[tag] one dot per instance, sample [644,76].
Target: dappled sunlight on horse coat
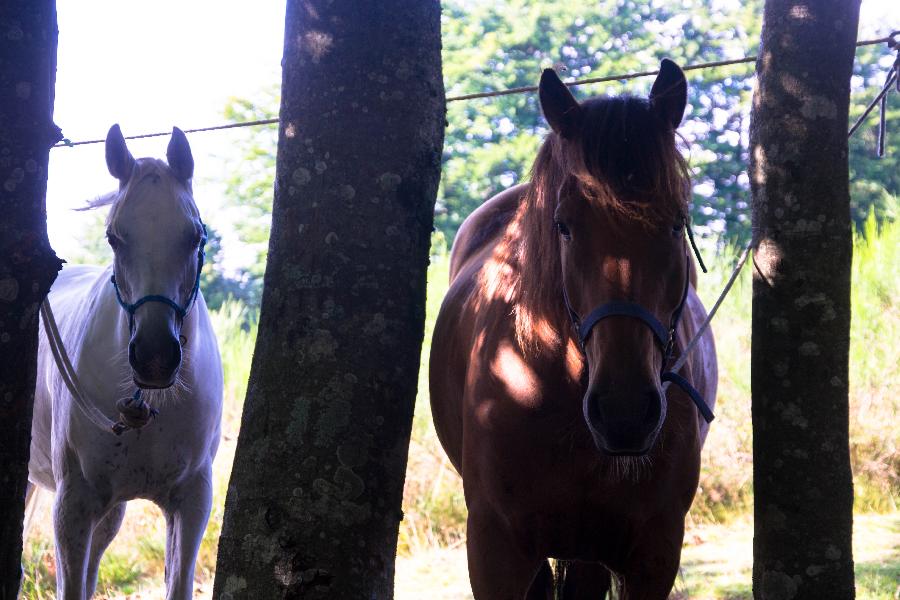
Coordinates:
[571,296]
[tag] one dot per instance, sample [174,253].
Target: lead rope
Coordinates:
[134,412]
[709,317]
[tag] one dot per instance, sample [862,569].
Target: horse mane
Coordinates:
[144,168]
[626,164]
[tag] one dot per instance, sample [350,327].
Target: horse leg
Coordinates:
[187,511]
[103,535]
[585,581]
[498,568]
[75,512]
[650,569]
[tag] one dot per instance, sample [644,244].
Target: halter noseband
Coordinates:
[665,338]
[181,311]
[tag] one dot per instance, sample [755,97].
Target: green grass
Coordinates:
[717,560]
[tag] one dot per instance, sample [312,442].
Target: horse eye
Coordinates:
[114,242]
[563,231]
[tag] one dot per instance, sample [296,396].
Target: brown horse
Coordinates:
[567,443]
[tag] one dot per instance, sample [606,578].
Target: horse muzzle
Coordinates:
[624,422]
[154,360]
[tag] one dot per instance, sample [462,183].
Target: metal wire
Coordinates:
[490,94]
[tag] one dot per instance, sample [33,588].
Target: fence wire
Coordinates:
[463,97]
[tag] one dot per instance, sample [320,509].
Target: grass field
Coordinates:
[717,556]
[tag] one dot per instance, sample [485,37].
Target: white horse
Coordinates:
[140,323]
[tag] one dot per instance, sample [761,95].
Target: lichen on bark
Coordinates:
[803,491]
[334,374]
[28,265]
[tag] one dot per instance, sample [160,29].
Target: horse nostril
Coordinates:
[154,355]
[175,356]
[623,420]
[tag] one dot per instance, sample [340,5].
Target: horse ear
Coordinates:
[118,159]
[179,156]
[668,96]
[559,105]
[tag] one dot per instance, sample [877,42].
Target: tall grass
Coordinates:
[875,366]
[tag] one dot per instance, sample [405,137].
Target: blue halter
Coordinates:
[181,311]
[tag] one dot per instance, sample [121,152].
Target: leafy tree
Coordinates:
[873,180]
[491,143]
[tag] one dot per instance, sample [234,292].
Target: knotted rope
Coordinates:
[134,413]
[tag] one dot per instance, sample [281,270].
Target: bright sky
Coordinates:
[151,65]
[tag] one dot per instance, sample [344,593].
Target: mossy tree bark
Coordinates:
[801,301]
[28,265]
[313,505]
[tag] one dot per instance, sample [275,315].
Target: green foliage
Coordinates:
[235,325]
[433,502]
[874,377]
[491,143]
[39,577]
[249,190]
[873,180]
[93,249]
[219,287]
[119,572]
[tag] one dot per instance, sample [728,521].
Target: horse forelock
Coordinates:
[145,169]
[626,164]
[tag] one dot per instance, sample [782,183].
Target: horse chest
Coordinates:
[144,463]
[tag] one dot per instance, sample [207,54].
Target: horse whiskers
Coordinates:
[629,468]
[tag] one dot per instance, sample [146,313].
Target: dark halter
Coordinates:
[665,338]
[181,311]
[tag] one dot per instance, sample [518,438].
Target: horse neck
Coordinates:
[95,334]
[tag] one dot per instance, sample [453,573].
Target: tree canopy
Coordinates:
[491,143]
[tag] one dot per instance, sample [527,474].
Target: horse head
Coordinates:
[158,239]
[620,214]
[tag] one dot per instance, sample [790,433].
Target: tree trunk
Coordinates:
[803,486]
[27,263]
[313,505]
